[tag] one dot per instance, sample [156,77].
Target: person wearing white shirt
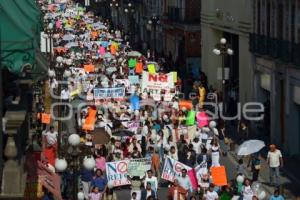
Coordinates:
[184,181]
[65,97]
[152,180]
[65,94]
[50,136]
[275,161]
[196,145]
[211,194]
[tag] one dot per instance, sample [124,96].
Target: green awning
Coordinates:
[40,68]
[19,34]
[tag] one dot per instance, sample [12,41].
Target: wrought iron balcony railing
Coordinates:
[283,50]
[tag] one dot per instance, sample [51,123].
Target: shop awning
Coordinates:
[40,67]
[19,34]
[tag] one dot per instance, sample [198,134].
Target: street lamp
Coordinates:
[49,29]
[130,9]
[75,156]
[115,4]
[154,22]
[223,48]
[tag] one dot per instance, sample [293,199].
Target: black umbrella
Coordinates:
[122,132]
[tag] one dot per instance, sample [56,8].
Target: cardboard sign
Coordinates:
[46,118]
[117,172]
[138,167]
[157,81]
[219,176]
[89,68]
[172,169]
[109,93]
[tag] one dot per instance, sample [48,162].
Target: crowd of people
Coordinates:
[95,57]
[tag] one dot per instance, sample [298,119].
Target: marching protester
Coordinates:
[154,136]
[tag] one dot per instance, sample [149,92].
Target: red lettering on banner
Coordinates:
[160,78]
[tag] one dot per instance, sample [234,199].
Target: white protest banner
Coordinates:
[122,82]
[172,169]
[201,169]
[77,70]
[133,126]
[157,82]
[117,172]
[168,96]
[108,93]
[138,167]
[134,79]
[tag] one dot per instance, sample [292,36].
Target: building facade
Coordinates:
[182,33]
[231,19]
[275,47]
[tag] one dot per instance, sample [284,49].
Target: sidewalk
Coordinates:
[290,173]
[289,187]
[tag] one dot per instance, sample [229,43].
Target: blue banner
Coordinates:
[109,93]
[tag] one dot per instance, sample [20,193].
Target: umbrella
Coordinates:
[122,133]
[118,39]
[134,54]
[100,136]
[68,37]
[108,55]
[99,26]
[71,44]
[111,70]
[249,147]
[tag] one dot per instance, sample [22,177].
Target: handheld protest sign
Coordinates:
[151,68]
[89,68]
[46,118]
[191,118]
[219,176]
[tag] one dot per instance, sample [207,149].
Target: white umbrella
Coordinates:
[118,39]
[108,55]
[249,147]
[134,54]
[71,44]
[68,37]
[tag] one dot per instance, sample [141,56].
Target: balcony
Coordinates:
[183,16]
[285,51]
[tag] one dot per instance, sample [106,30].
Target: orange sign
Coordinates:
[219,175]
[187,104]
[90,120]
[46,118]
[139,68]
[89,68]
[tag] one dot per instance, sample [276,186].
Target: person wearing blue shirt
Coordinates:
[276,196]
[86,177]
[99,180]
